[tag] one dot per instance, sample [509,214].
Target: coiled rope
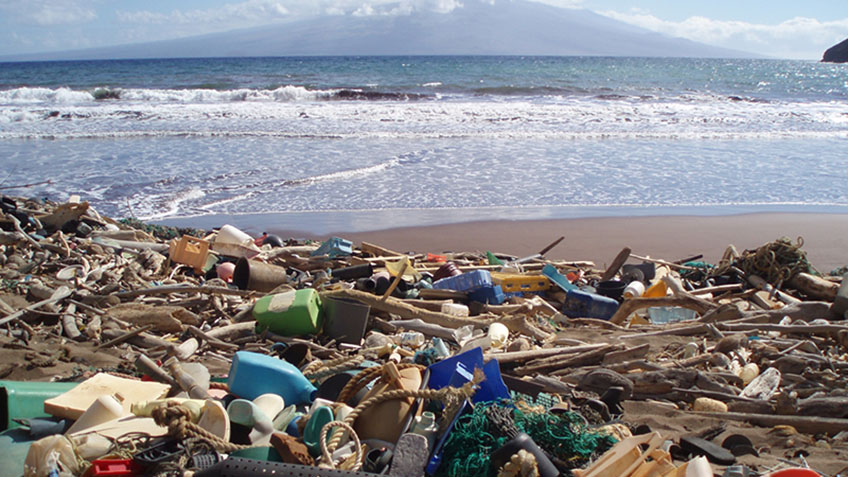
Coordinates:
[178,421]
[447,395]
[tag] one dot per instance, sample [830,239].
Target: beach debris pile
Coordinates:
[226,354]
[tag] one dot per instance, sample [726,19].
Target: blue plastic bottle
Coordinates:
[255,374]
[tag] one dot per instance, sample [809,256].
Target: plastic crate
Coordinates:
[465,282]
[492,295]
[190,251]
[515,283]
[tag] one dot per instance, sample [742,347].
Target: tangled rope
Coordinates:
[776,262]
[447,395]
[362,378]
[178,421]
[325,449]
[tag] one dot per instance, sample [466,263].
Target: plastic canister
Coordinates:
[498,333]
[425,425]
[581,304]
[633,289]
[291,313]
[254,374]
[455,309]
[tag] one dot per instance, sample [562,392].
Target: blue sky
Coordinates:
[781,28]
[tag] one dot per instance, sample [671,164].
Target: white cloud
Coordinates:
[255,12]
[561,3]
[800,37]
[251,11]
[48,12]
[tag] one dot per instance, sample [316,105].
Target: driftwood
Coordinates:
[634,304]
[760,283]
[787,329]
[60,295]
[518,323]
[814,286]
[429,329]
[806,424]
[625,355]
[519,356]
[559,364]
[166,290]
[616,264]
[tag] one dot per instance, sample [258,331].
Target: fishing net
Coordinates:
[563,436]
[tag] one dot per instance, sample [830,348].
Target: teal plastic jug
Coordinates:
[255,374]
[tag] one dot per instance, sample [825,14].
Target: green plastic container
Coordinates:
[292,313]
[25,399]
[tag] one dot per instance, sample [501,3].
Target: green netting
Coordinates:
[476,435]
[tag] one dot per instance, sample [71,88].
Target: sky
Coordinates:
[798,29]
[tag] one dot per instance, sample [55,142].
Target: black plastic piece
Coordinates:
[377,460]
[241,467]
[713,452]
[159,452]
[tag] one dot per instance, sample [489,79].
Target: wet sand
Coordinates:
[600,239]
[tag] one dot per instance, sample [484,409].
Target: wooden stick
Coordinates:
[616,264]
[396,281]
[184,289]
[662,262]
[760,283]
[57,297]
[518,323]
[633,304]
[805,424]
[789,329]
[514,356]
[124,337]
[551,245]
[211,340]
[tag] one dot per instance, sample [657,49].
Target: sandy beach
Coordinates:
[600,239]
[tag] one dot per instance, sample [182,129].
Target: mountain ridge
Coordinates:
[510,28]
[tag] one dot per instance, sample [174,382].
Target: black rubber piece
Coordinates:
[713,452]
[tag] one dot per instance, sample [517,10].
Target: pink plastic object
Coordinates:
[795,472]
[225,271]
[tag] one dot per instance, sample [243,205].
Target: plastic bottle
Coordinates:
[499,334]
[633,289]
[413,339]
[455,309]
[254,374]
[425,425]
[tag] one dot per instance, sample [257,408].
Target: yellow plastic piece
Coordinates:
[513,282]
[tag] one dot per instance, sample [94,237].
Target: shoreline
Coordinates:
[597,239]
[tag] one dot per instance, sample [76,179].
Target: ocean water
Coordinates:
[345,144]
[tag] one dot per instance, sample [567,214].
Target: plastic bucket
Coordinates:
[345,319]
[611,289]
[259,276]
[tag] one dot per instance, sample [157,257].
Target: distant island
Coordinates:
[518,27]
[837,53]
